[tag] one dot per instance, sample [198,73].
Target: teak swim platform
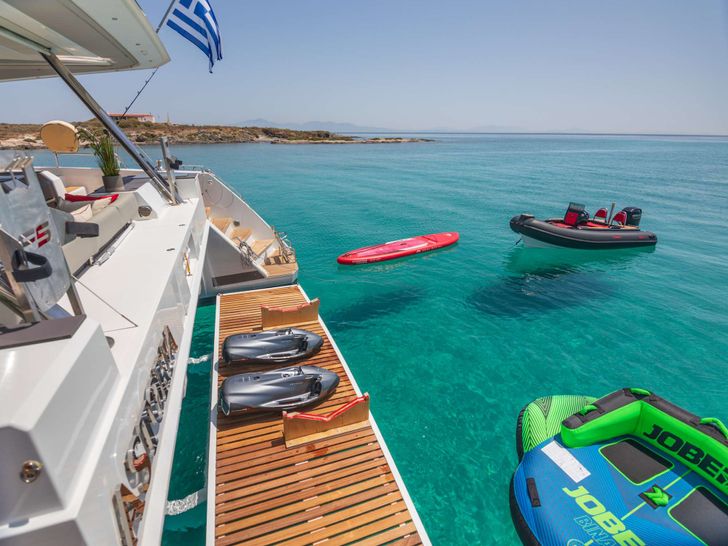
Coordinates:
[339,489]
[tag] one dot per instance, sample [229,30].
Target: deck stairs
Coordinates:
[271,257]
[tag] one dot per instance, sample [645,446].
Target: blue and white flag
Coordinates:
[195,21]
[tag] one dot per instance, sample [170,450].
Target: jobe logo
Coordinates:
[689,453]
[616,530]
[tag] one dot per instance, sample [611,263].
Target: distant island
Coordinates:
[27,136]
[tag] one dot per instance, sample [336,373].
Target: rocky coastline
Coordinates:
[15,136]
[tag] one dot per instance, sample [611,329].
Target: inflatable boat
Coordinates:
[628,469]
[577,230]
[276,390]
[271,347]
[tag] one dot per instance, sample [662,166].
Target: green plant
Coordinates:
[103,148]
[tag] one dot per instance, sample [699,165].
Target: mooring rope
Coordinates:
[199,360]
[175,507]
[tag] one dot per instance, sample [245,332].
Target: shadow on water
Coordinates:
[545,279]
[533,293]
[522,260]
[374,306]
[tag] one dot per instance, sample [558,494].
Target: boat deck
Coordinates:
[337,490]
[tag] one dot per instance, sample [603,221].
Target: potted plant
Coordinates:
[103,148]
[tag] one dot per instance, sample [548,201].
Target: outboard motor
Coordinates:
[634,215]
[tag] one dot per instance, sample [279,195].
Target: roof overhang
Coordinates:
[86,35]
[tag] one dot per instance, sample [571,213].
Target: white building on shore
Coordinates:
[136,117]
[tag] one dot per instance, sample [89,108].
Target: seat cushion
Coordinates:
[83,213]
[100,204]
[51,184]
[111,221]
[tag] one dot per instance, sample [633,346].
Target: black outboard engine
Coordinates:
[634,215]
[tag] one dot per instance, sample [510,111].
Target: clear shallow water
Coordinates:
[452,344]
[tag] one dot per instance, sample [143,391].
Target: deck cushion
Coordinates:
[111,221]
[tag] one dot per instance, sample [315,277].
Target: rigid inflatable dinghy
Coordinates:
[276,390]
[577,230]
[628,469]
[271,346]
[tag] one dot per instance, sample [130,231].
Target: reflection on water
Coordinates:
[374,306]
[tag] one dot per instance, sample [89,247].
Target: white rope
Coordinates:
[179,506]
[199,360]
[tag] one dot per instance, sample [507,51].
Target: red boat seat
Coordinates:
[620,218]
[600,216]
[575,215]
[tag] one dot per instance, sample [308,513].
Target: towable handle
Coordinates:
[717,423]
[640,392]
[588,408]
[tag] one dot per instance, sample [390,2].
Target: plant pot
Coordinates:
[113,183]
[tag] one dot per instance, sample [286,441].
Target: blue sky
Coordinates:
[582,65]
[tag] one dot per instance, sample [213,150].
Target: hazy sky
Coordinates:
[584,65]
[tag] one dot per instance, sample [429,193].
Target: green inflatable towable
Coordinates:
[541,419]
[628,469]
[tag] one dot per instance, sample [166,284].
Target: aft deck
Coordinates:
[337,490]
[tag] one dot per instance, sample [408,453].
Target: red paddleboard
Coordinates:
[398,249]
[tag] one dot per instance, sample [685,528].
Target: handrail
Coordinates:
[287,251]
[132,149]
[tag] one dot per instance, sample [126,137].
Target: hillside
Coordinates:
[27,136]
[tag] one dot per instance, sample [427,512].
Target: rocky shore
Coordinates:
[27,136]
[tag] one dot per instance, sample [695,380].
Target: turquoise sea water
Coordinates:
[452,344]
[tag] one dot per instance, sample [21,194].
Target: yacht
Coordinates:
[97,306]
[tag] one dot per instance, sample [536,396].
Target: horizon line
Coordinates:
[551,133]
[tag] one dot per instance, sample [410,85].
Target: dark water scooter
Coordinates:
[276,390]
[271,347]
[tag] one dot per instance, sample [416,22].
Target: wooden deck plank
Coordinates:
[278,463]
[394,526]
[274,508]
[302,471]
[288,516]
[321,527]
[401,532]
[278,451]
[300,492]
[338,489]
[345,520]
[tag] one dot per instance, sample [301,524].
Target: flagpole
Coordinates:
[159,27]
[166,16]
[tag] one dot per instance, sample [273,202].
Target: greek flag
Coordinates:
[195,20]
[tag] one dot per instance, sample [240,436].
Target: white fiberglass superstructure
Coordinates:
[97,301]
